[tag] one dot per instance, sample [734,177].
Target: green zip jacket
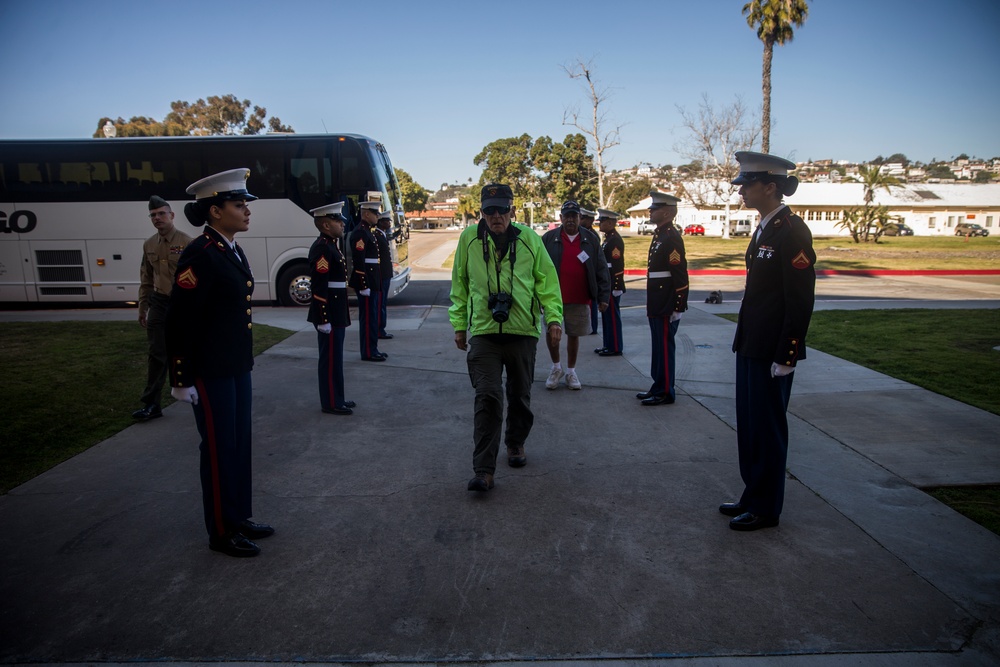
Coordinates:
[534,284]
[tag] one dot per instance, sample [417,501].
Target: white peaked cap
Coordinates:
[230,184]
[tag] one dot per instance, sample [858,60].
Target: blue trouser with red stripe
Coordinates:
[383,307]
[223,419]
[593,315]
[611,325]
[331,368]
[762,434]
[661,365]
[368,313]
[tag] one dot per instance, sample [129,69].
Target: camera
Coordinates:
[499,304]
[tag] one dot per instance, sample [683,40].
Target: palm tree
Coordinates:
[773,20]
[874,178]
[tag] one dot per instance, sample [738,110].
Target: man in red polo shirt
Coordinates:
[583,276]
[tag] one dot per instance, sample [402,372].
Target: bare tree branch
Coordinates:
[597,127]
[714,136]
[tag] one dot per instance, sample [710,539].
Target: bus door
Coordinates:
[12,254]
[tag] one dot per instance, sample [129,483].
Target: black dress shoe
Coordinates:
[643,395]
[385,336]
[254,531]
[748,521]
[382,354]
[598,350]
[151,411]
[609,353]
[731,509]
[350,404]
[378,358]
[234,545]
[338,411]
[665,399]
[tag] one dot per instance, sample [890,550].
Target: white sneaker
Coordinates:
[554,378]
[573,382]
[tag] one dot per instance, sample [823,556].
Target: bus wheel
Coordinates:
[295,286]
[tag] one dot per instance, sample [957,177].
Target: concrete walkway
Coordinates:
[606,546]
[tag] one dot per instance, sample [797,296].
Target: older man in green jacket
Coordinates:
[501,282]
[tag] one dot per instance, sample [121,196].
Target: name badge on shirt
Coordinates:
[583,257]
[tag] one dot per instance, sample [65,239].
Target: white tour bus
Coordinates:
[73,213]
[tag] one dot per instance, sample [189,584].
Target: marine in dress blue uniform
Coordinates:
[366,279]
[210,351]
[382,231]
[666,297]
[328,309]
[614,256]
[770,336]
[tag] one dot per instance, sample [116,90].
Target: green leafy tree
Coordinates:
[774,21]
[940,170]
[218,115]
[564,170]
[414,196]
[543,161]
[630,194]
[140,126]
[982,177]
[507,161]
[468,206]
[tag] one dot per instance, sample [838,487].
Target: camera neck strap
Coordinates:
[510,237]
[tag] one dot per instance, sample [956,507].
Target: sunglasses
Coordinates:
[494,210]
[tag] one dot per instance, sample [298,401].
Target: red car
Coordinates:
[694,230]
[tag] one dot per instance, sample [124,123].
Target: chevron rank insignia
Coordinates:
[322,266]
[616,253]
[801,261]
[186,279]
[360,245]
[675,257]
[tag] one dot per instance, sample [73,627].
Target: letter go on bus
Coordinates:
[21,222]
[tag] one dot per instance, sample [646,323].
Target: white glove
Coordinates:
[781,371]
[616,292]
[365,292]
[324,328]
[185,394]
[676,315]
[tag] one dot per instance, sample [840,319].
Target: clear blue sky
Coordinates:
[435,81]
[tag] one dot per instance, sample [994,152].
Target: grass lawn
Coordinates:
[979,503]
[949,352]
[836,253]
[897,252]
[69,385]
[925,347]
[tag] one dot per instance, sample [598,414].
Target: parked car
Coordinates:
[694,230]
[898,229]
[644,226]
[970,229]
